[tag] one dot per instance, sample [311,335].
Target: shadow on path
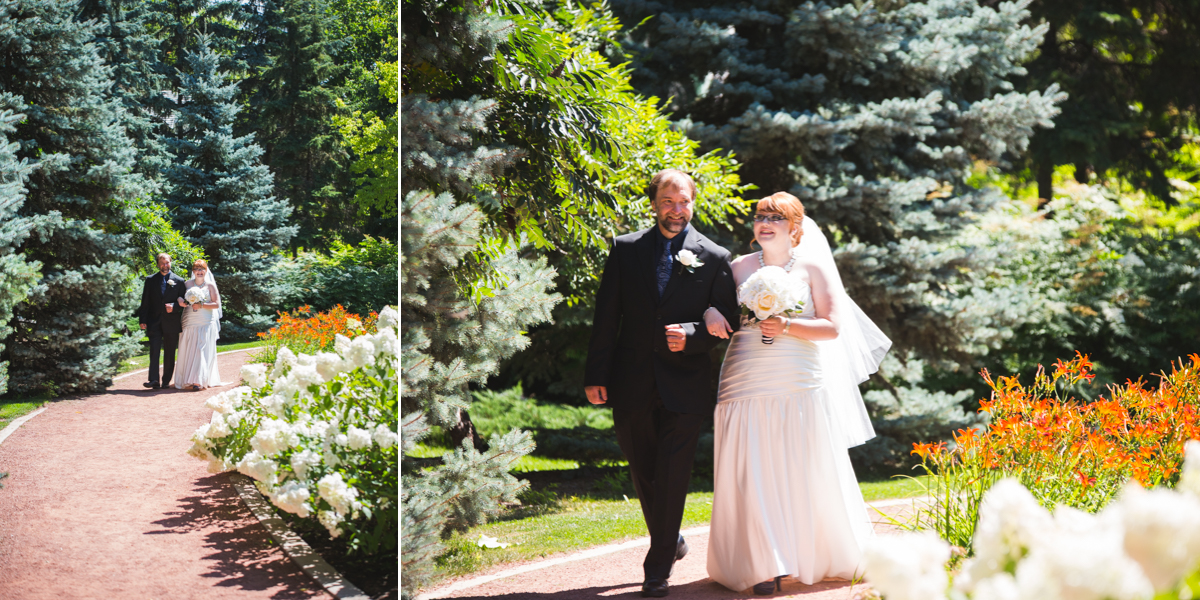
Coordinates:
[238,546]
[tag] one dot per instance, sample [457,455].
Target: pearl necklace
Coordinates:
[787,267]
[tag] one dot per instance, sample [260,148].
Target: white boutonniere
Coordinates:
[688,260]
[170,282]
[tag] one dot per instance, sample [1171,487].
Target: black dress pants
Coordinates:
[167,343]
[661,447]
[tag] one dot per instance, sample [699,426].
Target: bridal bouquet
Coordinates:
[770,292]
[194,295]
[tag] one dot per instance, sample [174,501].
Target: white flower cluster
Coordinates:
[299,431]
[1142,544]
[771,291]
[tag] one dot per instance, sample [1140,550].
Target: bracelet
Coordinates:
[786,324]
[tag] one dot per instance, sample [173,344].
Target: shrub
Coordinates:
[359,277]
[303,332]
[1066,451]
[318,434]
[1144,545]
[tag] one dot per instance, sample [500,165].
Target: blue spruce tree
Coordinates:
[874,117]
[69,335]
[220,193]
[17,274]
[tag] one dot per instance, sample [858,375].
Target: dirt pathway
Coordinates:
[617,574]
[102,502]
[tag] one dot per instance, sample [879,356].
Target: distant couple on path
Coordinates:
[785,498]
[186,315]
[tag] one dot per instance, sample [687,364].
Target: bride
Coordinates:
[197,364]
[785,499]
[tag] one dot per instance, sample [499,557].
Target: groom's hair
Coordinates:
[673,177]
[160,255]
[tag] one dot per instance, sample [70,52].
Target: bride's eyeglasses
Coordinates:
[772,219]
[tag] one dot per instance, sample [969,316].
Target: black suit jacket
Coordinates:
[152,313]
[628,351]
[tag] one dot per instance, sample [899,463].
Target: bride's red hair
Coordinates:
[200,263]
[783,203]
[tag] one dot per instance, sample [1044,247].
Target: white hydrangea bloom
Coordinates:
[330,521]
[222,403]
[283,359]
[1162,532]
[235,418]
[1189,477]
[292,496]
[273,404]
[907,566]
[1081,558]
[388,317]
[306,360]
[273,437]
[304,460]
[361,353]
[341,497]
[385,437]
[1011,522]
[385,342]
[1000,586]
[341,439]
[255,376]
[218,428]
[330,365]
[219,466]
[357,438]
[297,380]
[341,343]
[255,466]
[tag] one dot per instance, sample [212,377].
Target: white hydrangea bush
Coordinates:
[318,434]
[1144,545]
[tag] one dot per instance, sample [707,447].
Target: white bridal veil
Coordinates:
[849,359]
[210,278]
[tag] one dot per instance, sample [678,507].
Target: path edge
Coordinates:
[17,423]
[293,545]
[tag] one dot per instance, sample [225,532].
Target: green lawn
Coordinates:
[563,525]
[17,408]
[143,361]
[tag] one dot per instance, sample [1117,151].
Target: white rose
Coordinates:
[388,317]
[329,365]
[254,375]
[303,461]
[763,304]
[292,497]
[908,566]
[357,438]
[384,436]
[341,497]
[1162,532]
[687,258]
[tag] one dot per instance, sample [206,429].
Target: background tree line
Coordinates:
[258,135]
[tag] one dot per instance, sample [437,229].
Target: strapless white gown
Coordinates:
[197,363]
[785,498]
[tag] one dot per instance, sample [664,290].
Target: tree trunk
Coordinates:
[1045,182]
[463,430]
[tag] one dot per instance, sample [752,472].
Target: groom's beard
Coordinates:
[672,225]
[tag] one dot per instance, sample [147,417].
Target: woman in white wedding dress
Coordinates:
[197,365]
[785,498]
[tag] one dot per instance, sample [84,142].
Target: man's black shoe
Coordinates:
[654,588]
[150,384]
[681,549]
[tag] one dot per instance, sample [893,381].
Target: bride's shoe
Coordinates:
[768,587]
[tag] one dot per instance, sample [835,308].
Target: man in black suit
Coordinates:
[161,316]
[648,358]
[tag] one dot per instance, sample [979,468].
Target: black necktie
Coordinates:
[664,267]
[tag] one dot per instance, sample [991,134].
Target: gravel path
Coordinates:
[102,502]
[617,574]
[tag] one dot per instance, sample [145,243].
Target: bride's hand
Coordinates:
[772,327]
[716,324]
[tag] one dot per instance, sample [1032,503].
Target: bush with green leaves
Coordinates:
[318,434]
[361,277]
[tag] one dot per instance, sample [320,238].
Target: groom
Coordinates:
[648,358]
[160,315]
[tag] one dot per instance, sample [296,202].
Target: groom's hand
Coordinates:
[596,394]
[676,337]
